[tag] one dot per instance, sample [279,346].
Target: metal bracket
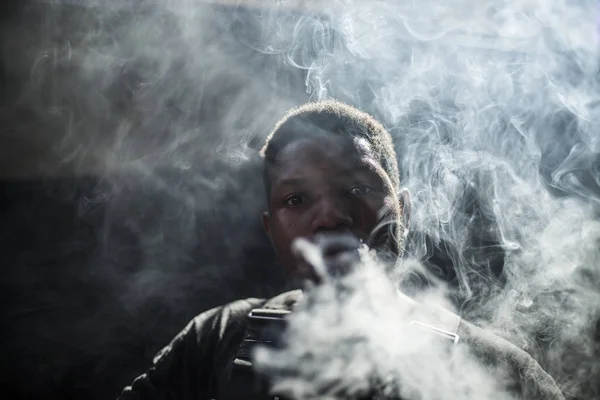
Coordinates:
[446,334]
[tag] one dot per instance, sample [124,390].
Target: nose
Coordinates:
[332,214]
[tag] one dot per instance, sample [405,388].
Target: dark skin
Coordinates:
[329,185]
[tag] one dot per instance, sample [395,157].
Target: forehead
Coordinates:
[331,153]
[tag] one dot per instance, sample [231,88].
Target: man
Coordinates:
[332,179]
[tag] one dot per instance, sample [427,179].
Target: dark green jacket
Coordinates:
[198,363]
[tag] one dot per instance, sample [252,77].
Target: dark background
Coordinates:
[101,268]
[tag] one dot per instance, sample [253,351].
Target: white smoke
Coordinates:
[494,106]
[355,337]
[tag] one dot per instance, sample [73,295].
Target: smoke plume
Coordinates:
[494,107]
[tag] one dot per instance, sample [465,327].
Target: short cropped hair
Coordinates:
[336,118]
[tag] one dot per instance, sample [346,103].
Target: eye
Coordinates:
[295,200]
[361,190]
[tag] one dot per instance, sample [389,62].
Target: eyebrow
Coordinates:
[292,181]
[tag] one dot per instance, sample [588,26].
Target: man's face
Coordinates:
[332,184]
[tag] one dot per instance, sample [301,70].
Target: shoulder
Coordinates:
[220,319]
[284,301]
[233,316]
[226,323]
[533,381]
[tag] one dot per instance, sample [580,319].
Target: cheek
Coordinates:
[283,224]
[285,227]
[366,213]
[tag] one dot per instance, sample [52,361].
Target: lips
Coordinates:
[340,252]
[335,245]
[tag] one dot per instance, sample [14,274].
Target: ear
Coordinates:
[266,219]
[404,197]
